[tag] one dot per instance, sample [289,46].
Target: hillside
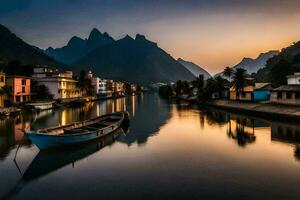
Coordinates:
[134,60]
[253,65]
[194,69]
[285,63]
[13,48]
[78,47]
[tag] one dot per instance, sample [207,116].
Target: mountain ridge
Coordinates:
[136,60]
[77,47]
[14,48]
[195,69]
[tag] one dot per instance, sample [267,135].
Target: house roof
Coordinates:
[261,86]
[17,76]
[288,88]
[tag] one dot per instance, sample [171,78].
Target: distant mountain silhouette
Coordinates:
[134,60]
[253,65]
[195,69]
[78,47]
[13,48]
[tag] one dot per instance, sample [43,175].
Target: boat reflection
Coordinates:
[47,162]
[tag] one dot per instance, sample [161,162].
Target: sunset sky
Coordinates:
[211,33]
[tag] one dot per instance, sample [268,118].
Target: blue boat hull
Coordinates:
[49,141]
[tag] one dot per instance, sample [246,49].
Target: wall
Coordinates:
[293,80]
[284,99]
[262,95]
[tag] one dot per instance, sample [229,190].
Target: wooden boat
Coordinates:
[77,132]
[40,105]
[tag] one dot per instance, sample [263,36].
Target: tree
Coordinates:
[178,88]
[240,79]
[165,91]
[85,83]
[279,72]
[228,72]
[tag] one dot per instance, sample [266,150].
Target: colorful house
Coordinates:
[19,87]
[252,92]
[3,95]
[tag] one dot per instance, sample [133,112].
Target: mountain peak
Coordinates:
[140,37]
[127,38]
[76,42]
[95,34]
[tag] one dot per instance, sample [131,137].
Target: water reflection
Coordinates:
[46,162]
[190,146]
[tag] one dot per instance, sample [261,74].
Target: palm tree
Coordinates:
[228,72]
[239,80]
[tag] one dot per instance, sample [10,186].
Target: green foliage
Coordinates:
[178,88]
[228,72]
[85,83]
[165,91]
[239,79]
[42,92]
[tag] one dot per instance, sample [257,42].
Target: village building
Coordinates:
[252,92]
[288,94]
[118,89]
[3,94]
[19,89]
[60,84]
[103,87]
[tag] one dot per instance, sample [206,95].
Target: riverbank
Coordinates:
[266,110]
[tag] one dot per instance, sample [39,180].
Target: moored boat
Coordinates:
[77,132]
[40,105]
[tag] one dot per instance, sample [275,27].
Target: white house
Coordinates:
[293,79]
[60,84]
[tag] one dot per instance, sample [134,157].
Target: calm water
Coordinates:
[171,151]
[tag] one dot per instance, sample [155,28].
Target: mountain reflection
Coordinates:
[149,113]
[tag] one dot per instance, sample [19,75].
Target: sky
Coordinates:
[211,33]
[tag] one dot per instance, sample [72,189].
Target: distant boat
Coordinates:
[77,132]
[40,105]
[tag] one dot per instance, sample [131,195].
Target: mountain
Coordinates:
[13,48]
[78,47]
[195,69]
[253,65]
[285,63]
[134,60]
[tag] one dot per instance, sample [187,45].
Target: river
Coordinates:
[171,151]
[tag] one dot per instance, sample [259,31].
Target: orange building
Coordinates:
[3,95]
[19,87]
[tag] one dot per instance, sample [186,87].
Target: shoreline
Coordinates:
[263,110]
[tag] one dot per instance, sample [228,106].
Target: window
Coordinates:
[23,89]
[288,95]
[23,82]
[279,95]
[297,95]
[2,79]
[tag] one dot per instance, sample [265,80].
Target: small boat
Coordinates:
[40,105]
[78,132]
